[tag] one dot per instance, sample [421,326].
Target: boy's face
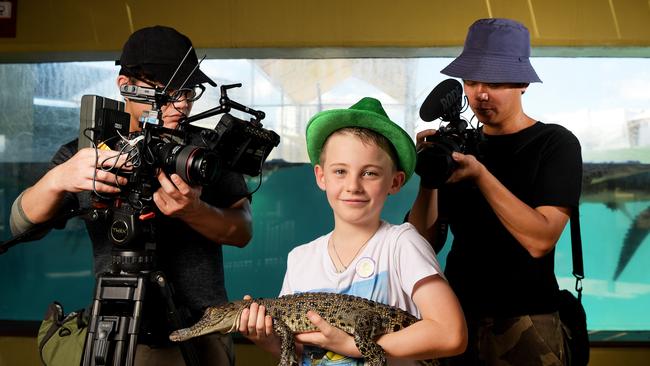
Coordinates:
[357,177]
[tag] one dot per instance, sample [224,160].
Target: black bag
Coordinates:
[572,313]
[574,318]
[61,338]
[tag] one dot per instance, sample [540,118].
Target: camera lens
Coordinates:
[194,164]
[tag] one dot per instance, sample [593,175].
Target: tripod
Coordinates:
[118,308]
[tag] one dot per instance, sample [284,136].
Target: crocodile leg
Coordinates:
[288,347]
[366,326]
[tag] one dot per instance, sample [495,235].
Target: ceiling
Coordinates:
[49,30]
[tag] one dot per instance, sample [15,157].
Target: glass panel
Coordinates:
[604,101]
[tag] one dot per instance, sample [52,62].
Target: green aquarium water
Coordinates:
[289,210]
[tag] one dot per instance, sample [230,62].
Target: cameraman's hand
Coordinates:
[84,171]
[87,170]
[176,198]
[257,326]
[468,168]
[419,138]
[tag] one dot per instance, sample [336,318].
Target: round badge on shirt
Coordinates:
[365,267]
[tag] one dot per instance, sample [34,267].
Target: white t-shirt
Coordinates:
[386,270]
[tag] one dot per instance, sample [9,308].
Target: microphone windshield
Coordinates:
[443,101]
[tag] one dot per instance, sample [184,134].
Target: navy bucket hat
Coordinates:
[496,50]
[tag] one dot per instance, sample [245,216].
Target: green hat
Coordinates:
[366,113]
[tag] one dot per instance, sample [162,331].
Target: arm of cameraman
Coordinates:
[424,212]
[536,229]
[231,225]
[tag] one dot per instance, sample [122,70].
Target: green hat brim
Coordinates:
[325,123]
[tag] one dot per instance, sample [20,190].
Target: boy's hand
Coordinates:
[328,337]
[257,326]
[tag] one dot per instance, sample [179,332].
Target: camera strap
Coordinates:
[576,250]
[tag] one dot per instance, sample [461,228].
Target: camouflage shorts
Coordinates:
[531,340]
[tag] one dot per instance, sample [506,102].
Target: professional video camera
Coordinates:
[434,163]
[196,154]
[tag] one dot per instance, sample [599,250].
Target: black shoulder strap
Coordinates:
[576,250]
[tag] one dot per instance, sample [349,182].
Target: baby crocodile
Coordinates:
[362,318]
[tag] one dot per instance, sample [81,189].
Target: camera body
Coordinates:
[434,162]
[198,155]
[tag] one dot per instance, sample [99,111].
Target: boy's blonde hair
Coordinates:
[368,137]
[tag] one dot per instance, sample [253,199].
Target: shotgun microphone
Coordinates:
[444,102]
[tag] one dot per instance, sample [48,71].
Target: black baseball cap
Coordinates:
[157,52]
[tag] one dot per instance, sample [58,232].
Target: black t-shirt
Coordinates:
[492,274]
[193,264]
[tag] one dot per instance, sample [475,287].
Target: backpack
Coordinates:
[61,339]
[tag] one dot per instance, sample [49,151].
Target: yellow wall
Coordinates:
[102,26]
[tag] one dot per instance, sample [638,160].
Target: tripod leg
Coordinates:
[134,328]
[112,330]
[188,349]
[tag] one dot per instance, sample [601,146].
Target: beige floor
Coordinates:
[21,351]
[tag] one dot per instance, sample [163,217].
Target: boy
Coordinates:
[360,157]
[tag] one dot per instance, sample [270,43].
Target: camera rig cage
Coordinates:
[195,153]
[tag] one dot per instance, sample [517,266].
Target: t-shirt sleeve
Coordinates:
[415,258]
[559,178]
[286,283]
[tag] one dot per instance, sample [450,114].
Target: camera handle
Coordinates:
[226,105]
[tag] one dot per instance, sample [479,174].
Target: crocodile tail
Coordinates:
[634,237]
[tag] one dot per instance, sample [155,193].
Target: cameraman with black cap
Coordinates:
[196,220]
[506,207]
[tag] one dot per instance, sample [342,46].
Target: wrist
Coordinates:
[196,210]
[481,174]
[54,182]
[50,184]
[351,348]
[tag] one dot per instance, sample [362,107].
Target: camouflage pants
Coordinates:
[529,340]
